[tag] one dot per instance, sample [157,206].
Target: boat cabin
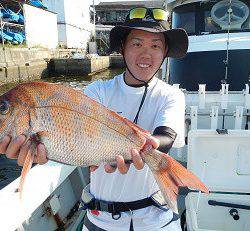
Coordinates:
[219,44]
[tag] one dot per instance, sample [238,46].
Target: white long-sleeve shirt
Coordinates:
[164,105]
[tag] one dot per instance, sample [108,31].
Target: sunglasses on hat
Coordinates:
[157,14]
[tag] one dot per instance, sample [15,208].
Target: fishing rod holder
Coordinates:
[224,95]
[194,115]
[247,96]
[214,117]
[238,117]
[202,95]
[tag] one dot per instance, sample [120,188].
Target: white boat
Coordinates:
[50,199]
[215,79]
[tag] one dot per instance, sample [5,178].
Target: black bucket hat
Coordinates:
[176,39]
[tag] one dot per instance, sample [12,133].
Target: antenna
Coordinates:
[229,11]
[224,81]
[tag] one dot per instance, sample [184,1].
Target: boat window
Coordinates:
[210,26]
[108,16]
[212,17]
[184,17]
[209,68]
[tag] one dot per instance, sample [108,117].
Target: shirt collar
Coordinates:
[135,90]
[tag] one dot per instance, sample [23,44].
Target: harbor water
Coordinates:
[9,170]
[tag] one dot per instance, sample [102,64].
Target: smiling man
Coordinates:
[144,52]
[125,196]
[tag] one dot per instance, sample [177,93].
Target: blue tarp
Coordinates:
[6,37]
[9,14]
[21,18]
[23,35]
[17,37]
[13,37]
[38,4]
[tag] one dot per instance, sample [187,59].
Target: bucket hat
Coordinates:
[176,39]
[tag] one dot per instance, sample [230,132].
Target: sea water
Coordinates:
[9,170]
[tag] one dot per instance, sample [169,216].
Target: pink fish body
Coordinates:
[77,130]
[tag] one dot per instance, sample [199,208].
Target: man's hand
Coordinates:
[17,149]
[137,159]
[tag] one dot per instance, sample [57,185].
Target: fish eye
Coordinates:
[4,107]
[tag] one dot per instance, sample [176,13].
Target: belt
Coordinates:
[88,201]
[115,208]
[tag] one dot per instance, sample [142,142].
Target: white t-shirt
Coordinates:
[164,105]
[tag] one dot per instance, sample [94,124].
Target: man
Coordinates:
[144,40]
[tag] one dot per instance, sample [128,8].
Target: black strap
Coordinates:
[118,207]
[131,227]
[142,101]
[145,84]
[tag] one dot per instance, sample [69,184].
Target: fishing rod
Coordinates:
[224,81]
[230,11]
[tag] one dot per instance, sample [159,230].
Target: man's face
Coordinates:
[144,52]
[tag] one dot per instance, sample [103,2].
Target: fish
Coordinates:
[76,130]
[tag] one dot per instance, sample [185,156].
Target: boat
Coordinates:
[214,77]
[50,199]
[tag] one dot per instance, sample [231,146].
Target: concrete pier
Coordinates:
[22,64]
[66,66]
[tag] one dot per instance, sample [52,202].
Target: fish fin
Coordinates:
[170,175]
[26,167]
[169,190]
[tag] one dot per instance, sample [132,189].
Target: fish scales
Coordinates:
[69,122]
[88,140]
[77,130]
[75,100]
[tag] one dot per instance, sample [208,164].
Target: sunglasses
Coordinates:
[142,12]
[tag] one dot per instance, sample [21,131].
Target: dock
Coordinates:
[24,64]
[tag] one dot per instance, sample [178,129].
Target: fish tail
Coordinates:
[26,167]
[170,175]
